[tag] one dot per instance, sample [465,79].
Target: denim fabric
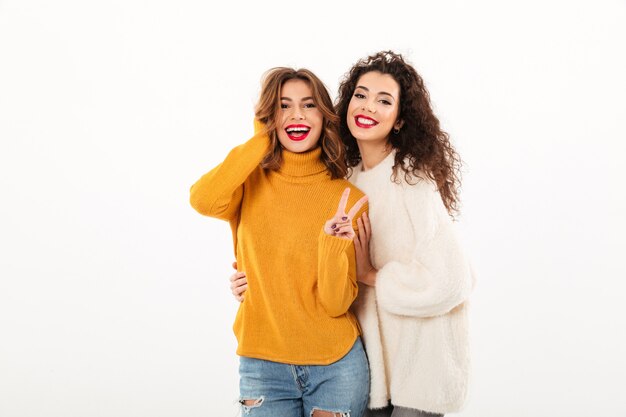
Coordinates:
[282,390]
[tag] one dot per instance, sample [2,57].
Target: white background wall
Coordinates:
[114,296]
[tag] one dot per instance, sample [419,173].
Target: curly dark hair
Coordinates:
[421,146]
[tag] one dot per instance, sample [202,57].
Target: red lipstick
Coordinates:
[297,132]
[369,122]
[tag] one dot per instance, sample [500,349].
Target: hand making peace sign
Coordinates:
[341,223]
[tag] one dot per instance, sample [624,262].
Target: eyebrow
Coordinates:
[380,92]
[303,98]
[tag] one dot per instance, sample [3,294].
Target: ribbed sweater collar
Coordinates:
[305,164]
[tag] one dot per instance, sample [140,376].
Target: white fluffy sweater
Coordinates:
[414,321]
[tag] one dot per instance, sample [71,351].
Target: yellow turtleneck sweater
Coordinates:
[301,281]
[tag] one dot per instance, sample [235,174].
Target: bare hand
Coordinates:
[238,284]
[365,272]
[341,223]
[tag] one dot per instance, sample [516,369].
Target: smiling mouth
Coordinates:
[297,132]
[365,122]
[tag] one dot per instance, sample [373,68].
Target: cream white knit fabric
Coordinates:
[414,321]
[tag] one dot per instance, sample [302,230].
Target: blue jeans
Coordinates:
[282,390]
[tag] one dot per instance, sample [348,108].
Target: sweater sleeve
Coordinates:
[437,277]
[336,282]
[336,268]
[219,192]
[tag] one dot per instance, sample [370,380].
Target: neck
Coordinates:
[372,153]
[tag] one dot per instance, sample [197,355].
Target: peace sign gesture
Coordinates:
[341,223]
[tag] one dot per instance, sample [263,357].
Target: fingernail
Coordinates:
[333,226]
[344,218]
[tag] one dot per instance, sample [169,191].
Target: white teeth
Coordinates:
[297,129]
[365,121]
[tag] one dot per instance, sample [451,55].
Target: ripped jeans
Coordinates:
[275,389]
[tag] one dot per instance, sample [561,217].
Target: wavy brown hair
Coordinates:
[268,106]
[421,146]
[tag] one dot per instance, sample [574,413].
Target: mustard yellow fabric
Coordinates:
[301,281]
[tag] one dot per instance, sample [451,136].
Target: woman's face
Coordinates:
[300,122]
[374,107]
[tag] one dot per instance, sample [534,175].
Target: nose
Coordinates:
[297,114]
[369,106]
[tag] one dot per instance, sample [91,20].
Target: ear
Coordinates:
[398,124]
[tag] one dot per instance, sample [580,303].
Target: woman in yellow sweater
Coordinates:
[292,215]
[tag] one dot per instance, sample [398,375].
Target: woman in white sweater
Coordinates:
[414,277]
[416,280]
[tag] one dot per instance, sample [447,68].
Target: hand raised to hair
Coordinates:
[341,223]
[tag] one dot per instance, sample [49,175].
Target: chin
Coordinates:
[368,137]
[362,137]
[298,147]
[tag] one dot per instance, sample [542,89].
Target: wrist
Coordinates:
[370,277]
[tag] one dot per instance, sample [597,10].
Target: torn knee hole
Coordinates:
[251,403]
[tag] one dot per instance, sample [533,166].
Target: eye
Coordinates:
[359,95]
[309,106]
[386,102]
[284,106]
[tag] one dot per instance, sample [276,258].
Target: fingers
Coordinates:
[236,276]
[343,202]
[359,244]
[239,297]
[364,238]
[238,288]
[357,206]
[345,231]
[239,285]
[362,233]
[367,225]
[358,251]
[341,224]
[364,228]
